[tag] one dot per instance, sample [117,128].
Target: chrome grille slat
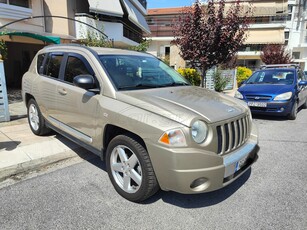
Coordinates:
[223,138]
[240,132]
[233,134]
[230,136]
[236,134]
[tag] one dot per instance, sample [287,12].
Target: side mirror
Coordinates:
[302,83]
[84,81]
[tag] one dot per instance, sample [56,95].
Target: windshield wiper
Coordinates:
[175,84]
[143,86]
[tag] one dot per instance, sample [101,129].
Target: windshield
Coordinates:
[129,72]
[274,76]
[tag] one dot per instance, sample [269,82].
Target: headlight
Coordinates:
[238,95]
[199,131]
[283,96]
[173,137]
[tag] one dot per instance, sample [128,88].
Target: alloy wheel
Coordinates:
[126,169]
[33,117]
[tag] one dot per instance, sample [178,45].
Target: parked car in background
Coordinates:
[275,90]
[152,127]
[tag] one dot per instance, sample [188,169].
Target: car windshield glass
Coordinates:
[130,72]
[274,76]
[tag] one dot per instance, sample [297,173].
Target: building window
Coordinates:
[287,35]
[290,7]
[296,55]
[21,3]
[143,3]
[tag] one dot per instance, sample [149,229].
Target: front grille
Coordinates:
[232,135]
[258,98]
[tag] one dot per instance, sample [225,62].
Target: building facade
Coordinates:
[28,25]
[296,31]
[267,26]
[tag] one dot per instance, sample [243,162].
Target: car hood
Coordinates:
[265,89]
[183,104]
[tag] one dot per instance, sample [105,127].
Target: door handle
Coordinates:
[62,91]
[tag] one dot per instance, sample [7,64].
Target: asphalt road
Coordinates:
[79,195]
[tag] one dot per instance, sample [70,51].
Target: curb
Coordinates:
[35,164]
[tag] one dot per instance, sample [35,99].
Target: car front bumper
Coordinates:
[190,170]
[282,108]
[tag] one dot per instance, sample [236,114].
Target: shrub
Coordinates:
[3,49]
[242,74]
[191,75]
[220,81]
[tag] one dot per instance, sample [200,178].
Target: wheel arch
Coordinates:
[111,131]
[28,97]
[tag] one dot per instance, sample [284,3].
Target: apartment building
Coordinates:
[122,22]
[296,31]
[267,27]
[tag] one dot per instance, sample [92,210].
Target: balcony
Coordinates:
[120,35]
[14,12]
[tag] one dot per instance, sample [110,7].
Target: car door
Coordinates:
[49,69]
[76,107]
[302,90]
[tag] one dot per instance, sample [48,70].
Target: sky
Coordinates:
[168,3]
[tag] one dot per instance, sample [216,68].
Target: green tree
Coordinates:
[210,35]
[142,47]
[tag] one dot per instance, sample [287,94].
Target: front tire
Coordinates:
[293,114]
[35,119]
[130,169]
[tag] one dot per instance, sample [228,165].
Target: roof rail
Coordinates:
[296,66]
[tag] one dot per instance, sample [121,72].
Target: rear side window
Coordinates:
[74,67]
[40,60]
[53,64]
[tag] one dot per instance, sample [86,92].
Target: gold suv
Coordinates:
[152,127]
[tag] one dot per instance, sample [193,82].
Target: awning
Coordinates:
[49,39]
[261,9]
[265,36]
[109,7]
[136,17]
[269,8]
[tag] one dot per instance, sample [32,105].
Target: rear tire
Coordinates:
[35,119]
[293,114]
[130,169]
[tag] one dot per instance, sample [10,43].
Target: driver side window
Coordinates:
[74,67]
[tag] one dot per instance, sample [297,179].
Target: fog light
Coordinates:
[200,184]
[282,109]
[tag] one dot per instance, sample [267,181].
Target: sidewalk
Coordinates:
[21,150]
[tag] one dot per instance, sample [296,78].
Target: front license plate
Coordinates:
[257,104]
[241,163]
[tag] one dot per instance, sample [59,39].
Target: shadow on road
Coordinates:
[9,145]
[183,200]
[200,200]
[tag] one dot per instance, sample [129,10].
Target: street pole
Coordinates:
[4,105]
